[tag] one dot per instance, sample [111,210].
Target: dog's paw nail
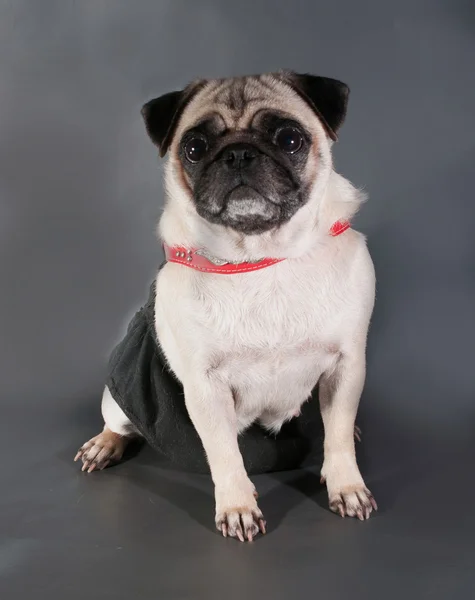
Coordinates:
[372,501]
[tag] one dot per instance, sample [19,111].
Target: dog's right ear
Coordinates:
[161,115]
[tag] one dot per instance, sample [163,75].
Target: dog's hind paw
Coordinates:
[100,451]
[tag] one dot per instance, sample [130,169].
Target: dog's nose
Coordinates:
[239,155]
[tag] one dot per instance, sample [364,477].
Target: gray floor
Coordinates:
[141,530]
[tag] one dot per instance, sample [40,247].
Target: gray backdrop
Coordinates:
[80,195]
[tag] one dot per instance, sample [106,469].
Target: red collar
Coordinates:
[202,261]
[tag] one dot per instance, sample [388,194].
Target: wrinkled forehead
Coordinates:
[235,104]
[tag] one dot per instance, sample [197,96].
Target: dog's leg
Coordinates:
[108,446]
[339,394]
[210,405]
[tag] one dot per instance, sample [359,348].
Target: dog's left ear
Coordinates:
[161,115]
[327,97]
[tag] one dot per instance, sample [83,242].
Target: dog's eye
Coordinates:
[195,149]
[289,140]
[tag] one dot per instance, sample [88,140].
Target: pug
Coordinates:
[267,290]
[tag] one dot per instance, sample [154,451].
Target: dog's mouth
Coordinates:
[247,210]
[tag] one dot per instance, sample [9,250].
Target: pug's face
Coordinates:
[247,150]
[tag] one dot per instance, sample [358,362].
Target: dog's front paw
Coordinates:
[353,501]
[237,513]
[241,522]
[348,495]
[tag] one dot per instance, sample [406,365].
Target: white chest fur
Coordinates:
[270,334]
